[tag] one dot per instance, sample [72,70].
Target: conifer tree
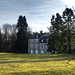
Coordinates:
[55,36]
[68,16]
[61,31]
[21,45]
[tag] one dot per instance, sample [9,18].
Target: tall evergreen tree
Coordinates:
[61,31]
[68,16]
[55,29]
[22,39]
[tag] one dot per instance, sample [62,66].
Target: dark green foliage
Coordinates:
[60,32]
[22,24]
[21,45]
[68,15]
[6,43]
[15,37]
[56,22]
[56,29]
[8,37]
[13,40]
[73,40]
[51,43]
[0,41]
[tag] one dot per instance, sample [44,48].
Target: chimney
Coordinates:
[41,32]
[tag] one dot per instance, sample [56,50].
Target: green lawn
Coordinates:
[37,64]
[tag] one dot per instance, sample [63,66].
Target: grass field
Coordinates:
[40,64]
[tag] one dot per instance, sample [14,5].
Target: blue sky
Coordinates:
[38,12]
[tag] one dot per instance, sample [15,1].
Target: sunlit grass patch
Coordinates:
[40,64]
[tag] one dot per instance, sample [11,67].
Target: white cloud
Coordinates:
[38,27]
[38,12]
[69,2]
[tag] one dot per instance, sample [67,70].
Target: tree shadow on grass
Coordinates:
[38,60]
[46,56]
[32,73]
[45,72]
[30,58]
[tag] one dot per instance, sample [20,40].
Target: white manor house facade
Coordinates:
[37,44]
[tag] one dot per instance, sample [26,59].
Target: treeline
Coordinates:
[62,32]
[14,38]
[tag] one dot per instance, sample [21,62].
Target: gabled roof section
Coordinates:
[37,35]
[44,38]
[40,36]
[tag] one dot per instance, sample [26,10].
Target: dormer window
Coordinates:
[37,36]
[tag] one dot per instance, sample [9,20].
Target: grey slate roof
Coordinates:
[41,36]
[37,35]
[45,39]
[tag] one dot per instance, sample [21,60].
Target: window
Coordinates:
[36,51]
[47,40]
[31,46]
[42,40]
[42,51]
[52,51]
[45,51]
[36,40]
[55,52]
[36,46]
[31,41]
[42,46]
[37,36]
[31,51]
[46,47]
